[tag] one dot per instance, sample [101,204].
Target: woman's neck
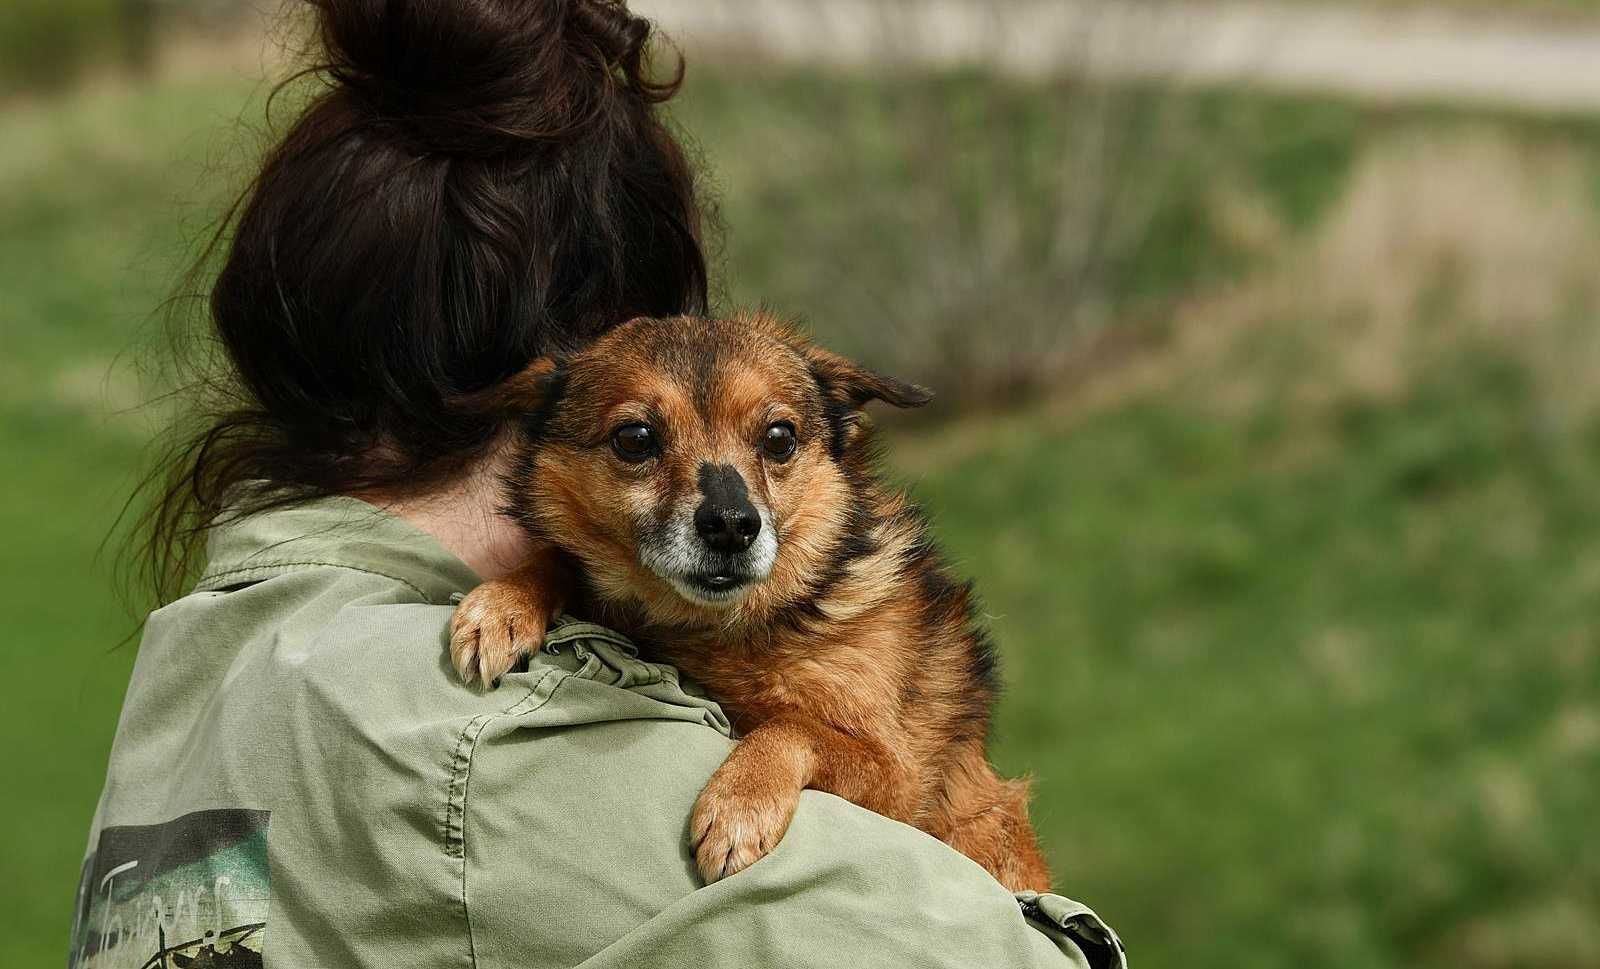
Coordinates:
[464,516]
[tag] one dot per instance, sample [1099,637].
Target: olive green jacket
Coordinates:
[300,780]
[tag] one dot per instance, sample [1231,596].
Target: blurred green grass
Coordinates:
[1309,680]
[1331,712]
[90,221]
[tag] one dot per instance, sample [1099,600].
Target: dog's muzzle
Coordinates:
[713,554]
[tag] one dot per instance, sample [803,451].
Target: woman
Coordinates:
[297,776]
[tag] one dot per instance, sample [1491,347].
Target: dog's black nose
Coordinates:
[725,520]
[729,528]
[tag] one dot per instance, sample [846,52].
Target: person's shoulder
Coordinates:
[580,673]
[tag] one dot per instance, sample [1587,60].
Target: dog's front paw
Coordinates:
[494,627]
[734,826]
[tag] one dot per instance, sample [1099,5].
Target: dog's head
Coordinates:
[696,466]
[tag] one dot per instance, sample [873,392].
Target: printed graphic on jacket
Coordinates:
[192,892]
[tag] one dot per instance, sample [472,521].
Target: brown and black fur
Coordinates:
[854,666]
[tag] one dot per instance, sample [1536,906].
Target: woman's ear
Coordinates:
[844,379]
[528,391]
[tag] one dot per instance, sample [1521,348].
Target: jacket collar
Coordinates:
[335,531]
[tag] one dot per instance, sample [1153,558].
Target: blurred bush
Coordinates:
[46,43]
[978,233]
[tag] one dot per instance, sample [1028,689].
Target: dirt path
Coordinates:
[1380,54]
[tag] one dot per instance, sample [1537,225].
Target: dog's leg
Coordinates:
[747,805]
[499,622]
[1000,838]
[985,818]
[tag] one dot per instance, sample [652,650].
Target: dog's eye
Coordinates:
[778,443]
[634,442]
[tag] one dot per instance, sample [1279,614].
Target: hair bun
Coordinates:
[477,77]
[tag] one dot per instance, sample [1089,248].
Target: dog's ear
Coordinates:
[845,380]
[529,391]
[847,388]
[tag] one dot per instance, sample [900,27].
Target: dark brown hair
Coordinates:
[476,183]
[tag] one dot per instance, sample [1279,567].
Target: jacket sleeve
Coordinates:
[574,853]
[851,889]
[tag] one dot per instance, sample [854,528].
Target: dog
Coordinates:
[708,488]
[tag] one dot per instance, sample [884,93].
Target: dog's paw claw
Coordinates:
[495,626]
[729,832]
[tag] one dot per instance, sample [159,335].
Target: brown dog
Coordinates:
[707,487]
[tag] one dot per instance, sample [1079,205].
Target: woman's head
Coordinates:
[479,182]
